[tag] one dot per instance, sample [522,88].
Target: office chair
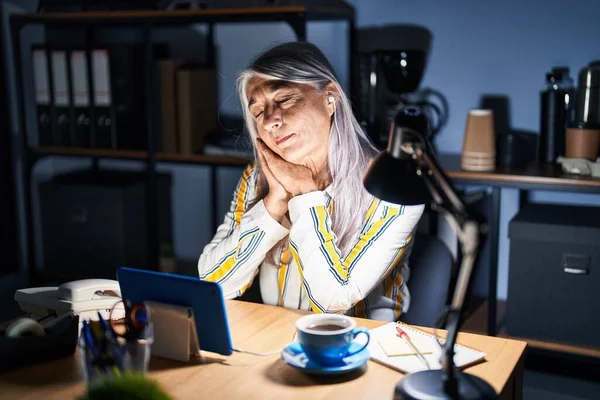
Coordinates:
[431,265]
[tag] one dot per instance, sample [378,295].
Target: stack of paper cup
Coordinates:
[479,148]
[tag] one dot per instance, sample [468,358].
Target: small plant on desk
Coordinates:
[128,386]
[167,261]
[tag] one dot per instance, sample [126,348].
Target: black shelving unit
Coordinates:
[8,208]
[297,18]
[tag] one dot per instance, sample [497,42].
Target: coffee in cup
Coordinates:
[326,338]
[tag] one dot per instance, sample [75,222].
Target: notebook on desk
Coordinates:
[389,349]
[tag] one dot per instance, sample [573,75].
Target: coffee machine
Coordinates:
[392,60]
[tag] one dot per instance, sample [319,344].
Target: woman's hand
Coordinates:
[276,201]
[295,179]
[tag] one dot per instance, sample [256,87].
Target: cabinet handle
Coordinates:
[576,271]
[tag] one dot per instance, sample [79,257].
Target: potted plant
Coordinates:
[167,261]
[128,386]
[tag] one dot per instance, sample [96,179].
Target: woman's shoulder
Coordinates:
[388,207]
[249,172]
[249,177]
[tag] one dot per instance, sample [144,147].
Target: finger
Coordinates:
[265,167]
[261,153]
[282,171]
[268,156]
[267,152]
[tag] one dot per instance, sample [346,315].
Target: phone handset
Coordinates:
[89,289]
[85,297]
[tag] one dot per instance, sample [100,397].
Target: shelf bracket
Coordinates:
[298,24]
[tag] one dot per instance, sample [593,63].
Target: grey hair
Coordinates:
[350,150]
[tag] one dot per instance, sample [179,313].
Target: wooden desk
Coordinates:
[261,328]
[530,177]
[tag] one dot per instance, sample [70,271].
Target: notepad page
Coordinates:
[393,347]
[463,357]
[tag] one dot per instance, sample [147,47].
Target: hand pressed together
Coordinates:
[285,179]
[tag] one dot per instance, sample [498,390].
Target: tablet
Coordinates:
[205,299]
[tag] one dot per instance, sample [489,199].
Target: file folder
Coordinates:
[81,99]
[104,114]
[62,100]
[42,97]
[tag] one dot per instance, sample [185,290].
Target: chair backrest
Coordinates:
[431,264]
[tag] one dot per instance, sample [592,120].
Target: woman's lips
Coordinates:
[283,139]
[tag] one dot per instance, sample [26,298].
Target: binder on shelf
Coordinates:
[120,95]
[104,113]
[196,106]
[42,97]
[81,99]
[62,100]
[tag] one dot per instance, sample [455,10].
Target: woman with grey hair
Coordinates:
[300,217]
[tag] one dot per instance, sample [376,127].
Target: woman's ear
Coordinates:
[331,97]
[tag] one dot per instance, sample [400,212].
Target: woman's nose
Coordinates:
[272,119]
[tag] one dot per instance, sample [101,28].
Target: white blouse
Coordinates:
[308,271]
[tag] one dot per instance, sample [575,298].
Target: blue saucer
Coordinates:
[293,355]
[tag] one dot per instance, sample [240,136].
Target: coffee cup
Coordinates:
[326,338]
[582,142]
[479,146]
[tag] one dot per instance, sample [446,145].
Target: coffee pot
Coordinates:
[587,99]
[583,133]
[392,61]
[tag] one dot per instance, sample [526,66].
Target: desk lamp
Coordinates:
[407,173]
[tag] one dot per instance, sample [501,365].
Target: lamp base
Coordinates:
[429,385]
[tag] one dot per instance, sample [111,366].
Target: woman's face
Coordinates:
[293,119]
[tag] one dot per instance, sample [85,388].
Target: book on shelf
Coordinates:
[188,103]
[196,103]
[167,71]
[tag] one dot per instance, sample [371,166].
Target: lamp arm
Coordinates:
[468,233]
[440,179]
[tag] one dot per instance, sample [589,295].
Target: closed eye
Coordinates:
[283,100]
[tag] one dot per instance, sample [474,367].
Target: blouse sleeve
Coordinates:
[234,255]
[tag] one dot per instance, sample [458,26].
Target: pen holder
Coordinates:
[93,366]
[137,354]
[118,356]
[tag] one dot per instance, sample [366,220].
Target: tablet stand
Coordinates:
[175,335]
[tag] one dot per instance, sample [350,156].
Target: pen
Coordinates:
[409,342]
[112,350]
[89,339]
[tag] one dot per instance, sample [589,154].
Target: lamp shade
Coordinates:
[395,180]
